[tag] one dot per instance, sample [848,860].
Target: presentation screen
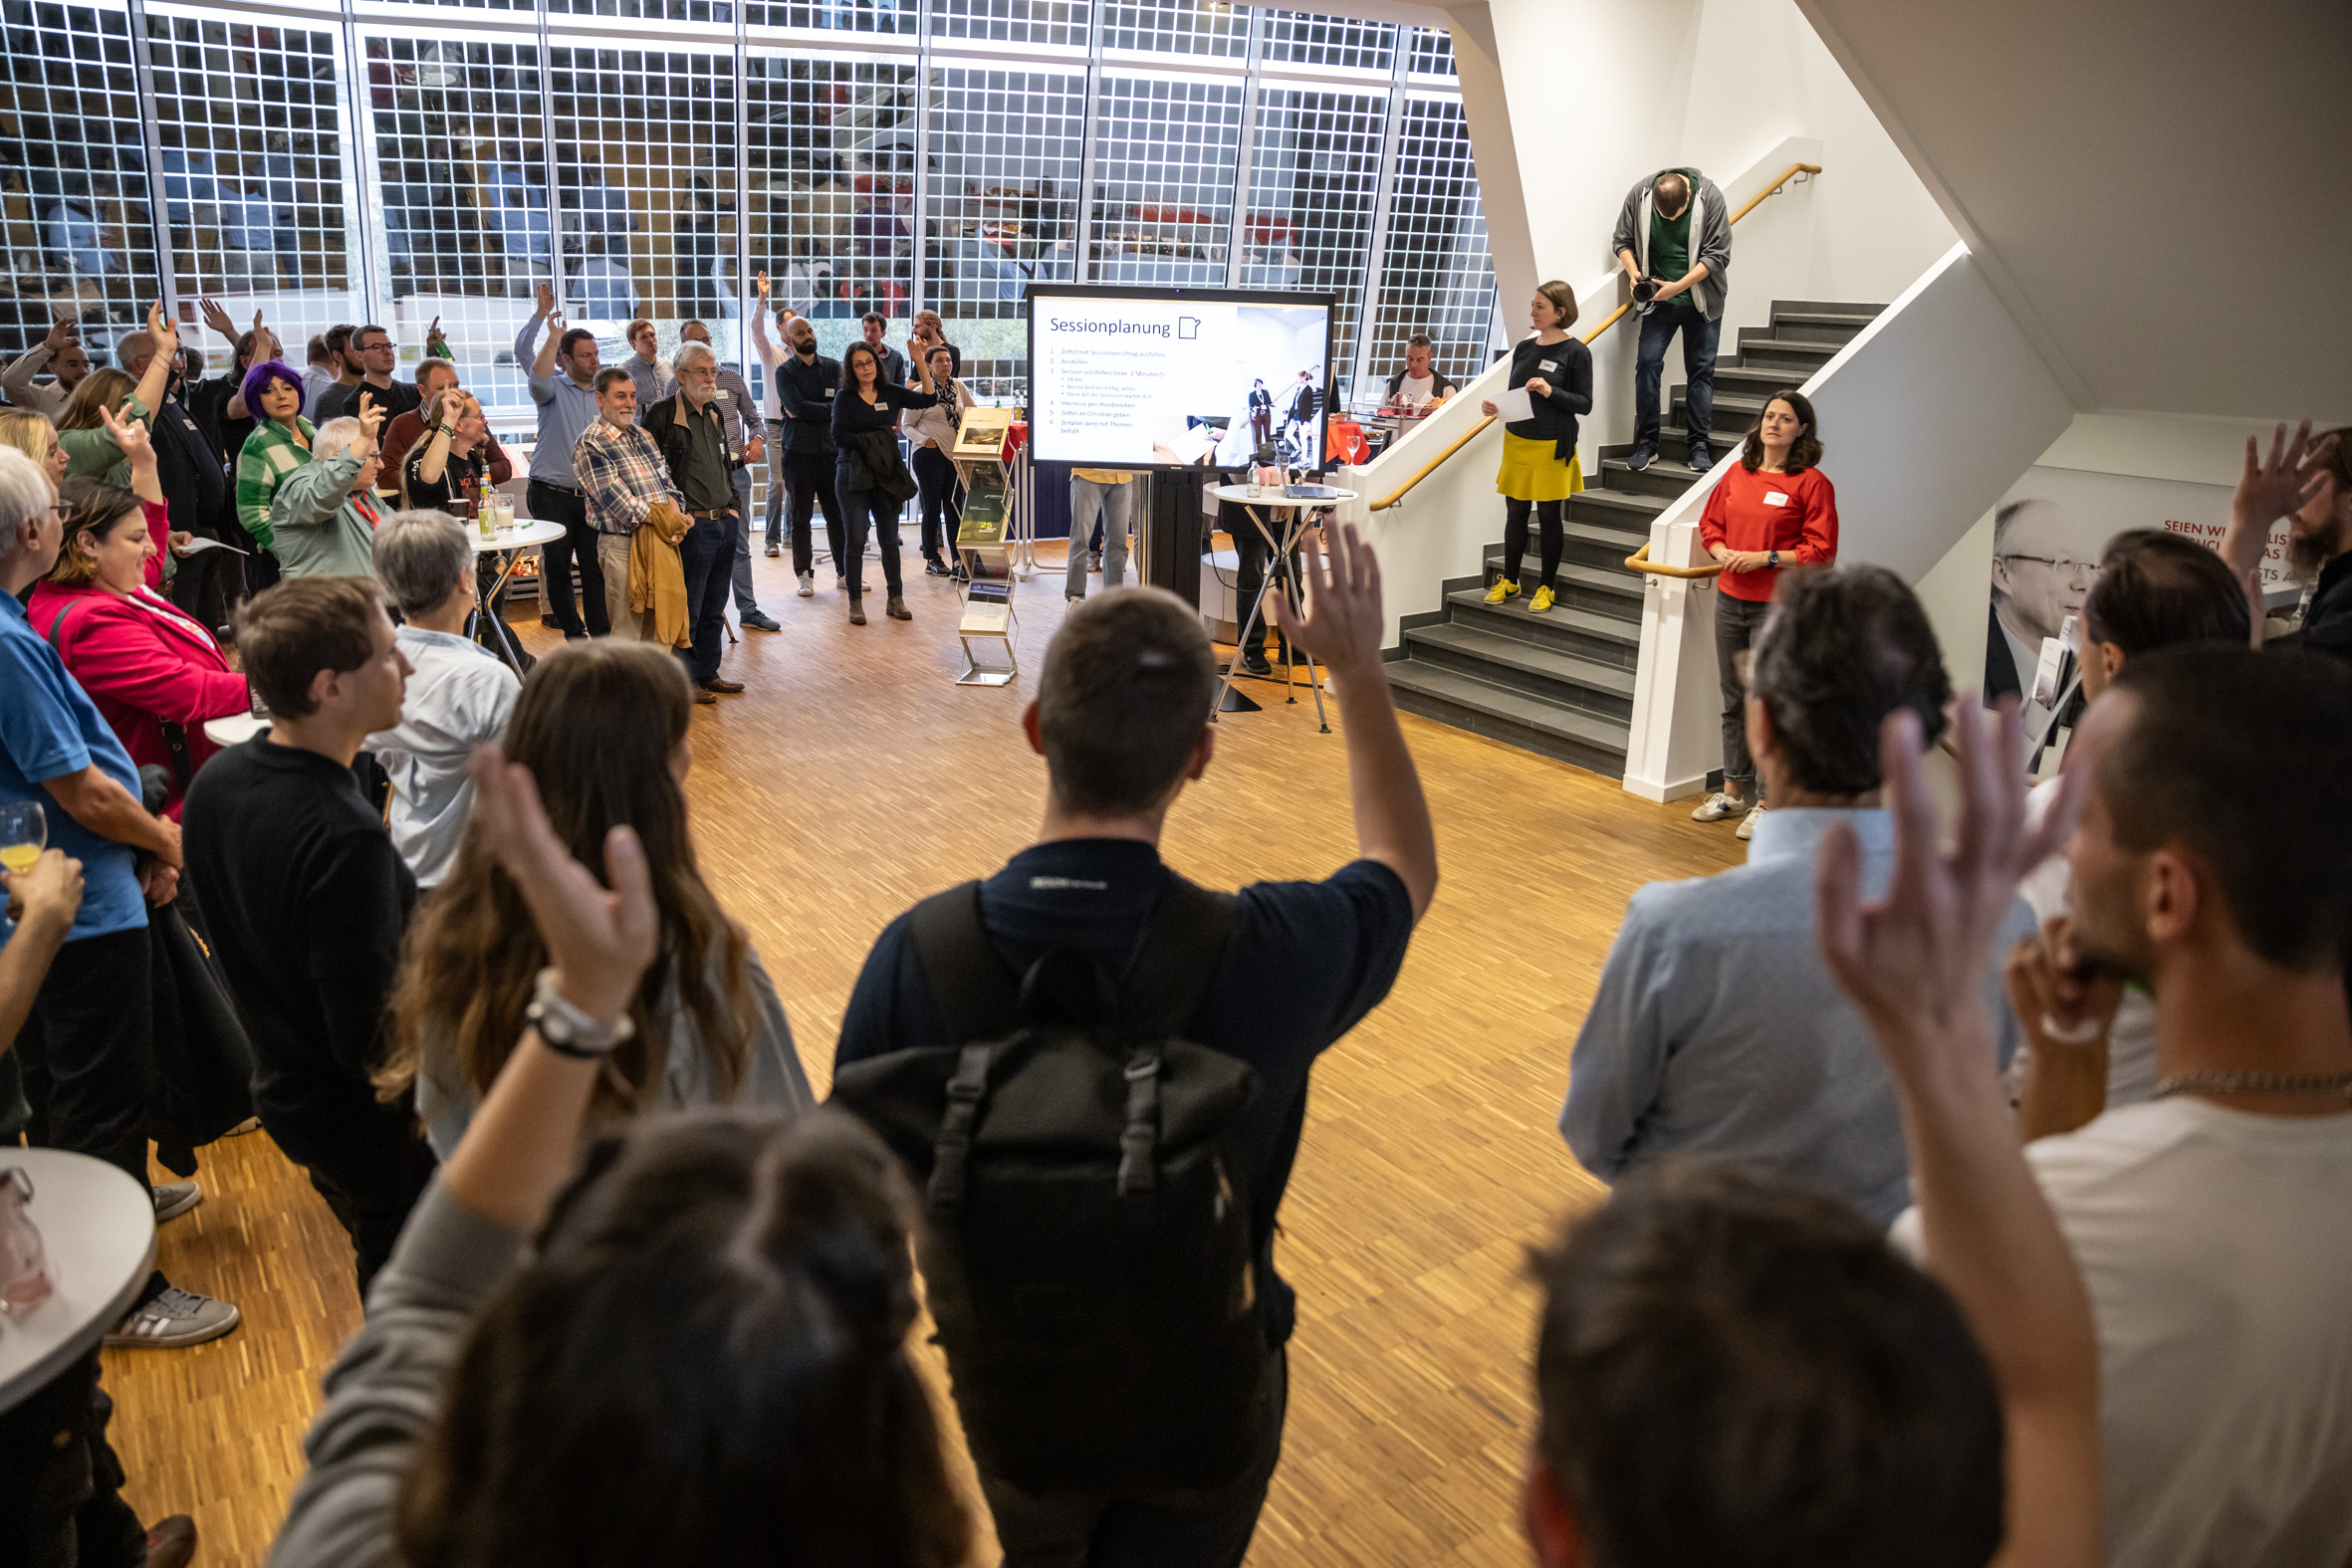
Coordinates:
[1156,377]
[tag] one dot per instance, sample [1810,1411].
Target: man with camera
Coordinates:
[1674,240]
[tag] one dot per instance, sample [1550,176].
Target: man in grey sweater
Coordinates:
[1674,240]
[1718,1030]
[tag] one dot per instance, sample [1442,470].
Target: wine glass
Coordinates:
[23,833]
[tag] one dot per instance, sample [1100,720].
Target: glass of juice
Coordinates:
[23,832]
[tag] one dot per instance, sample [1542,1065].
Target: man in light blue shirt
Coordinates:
[566,402]
[1717,1029]
[459,697]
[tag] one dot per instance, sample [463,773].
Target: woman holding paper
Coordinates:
[1550,385]
[154,672]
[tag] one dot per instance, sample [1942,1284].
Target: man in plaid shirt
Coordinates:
[621,475]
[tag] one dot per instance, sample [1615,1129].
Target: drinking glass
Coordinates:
[23,833]
[24,1261]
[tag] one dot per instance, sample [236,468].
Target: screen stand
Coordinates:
[1234,702]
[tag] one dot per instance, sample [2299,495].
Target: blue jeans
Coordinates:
[745,603]
[708,554]
[1698,335]
[1115,504]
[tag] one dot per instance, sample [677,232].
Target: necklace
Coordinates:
[2218,1082]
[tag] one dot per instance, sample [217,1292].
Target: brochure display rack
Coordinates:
[986,545]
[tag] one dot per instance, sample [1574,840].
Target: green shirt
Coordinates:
[1670,238]
[706,479]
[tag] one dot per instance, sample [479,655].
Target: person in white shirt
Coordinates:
[458,699]
[59,353]
[1420,384]
[2214,1223]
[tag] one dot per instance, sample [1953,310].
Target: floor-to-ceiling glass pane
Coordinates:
[251,120]
[835,16]
[1432,54]
[1314,174]
[74,201]
[1328,43]
[1176,27]
[461,156]
[643,165]
[832,172]
[1058,26]
[1006,148]
[1165,150]
[1435,274]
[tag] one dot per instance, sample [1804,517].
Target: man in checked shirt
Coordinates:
[621,476]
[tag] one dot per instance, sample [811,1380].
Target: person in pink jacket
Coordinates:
[155,673]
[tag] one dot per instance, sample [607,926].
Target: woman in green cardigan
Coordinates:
[279,444]
[82,429]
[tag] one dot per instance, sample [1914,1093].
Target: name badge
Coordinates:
[1774,497]
[1548,364]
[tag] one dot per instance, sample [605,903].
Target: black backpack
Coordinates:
[1088,1254]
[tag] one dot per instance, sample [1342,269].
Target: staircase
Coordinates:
[1561,683]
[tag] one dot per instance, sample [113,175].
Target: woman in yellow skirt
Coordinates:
[1540,467]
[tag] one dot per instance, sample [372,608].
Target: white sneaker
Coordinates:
[176,1318]
[1717,807]
[1747,823]
[807,585]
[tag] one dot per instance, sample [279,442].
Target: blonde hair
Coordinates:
[109,389]
[1562,298]
[29,433]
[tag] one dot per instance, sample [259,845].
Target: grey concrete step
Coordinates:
[1821,326]
[1606,590]
[1666,477]
[1734,416]
[1763,349]
[1830,307]
[1603,640]
[1739,380]
[1629,511]
[1604,690]
[1514,718]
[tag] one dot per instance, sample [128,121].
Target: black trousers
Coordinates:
[61,1505]
[367,1161]
[707,553]
[942,498]
[89,1051]
[1251,554]
[1515,535]
[1208,1530]
[870,512]
[808,481]
[554,503]
[208,585]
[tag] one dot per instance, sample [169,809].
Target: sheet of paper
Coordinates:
[202,544]
[1515,404]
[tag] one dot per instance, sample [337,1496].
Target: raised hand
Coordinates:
[370,414]
[601,939]
[1343,624]
[164,329]
[547,300]
[763,285]
[2272,488]
[63,335]
[1914,962]
[434,338]
[218,320]
[132,436]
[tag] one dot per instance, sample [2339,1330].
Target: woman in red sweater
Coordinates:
[1774,510]
[155,673]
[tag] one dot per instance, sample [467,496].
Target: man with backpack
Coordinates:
[1097,1074]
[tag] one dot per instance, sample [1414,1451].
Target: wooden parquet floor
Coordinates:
[854,777]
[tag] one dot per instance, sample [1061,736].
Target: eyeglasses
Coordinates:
[2072,569]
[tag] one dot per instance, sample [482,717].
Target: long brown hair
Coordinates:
[92,506]
[1803,452]
[598,725]
[110,387]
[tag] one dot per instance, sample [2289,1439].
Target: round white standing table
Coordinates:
[1297,513]
[97,1226]
[507,545]
[232,731]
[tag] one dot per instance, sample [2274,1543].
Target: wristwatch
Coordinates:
[1772,558]
[570,1031]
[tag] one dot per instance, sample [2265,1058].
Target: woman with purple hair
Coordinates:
[279,444]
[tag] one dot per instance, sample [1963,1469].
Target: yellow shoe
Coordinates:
[1540,602]
[1504,589]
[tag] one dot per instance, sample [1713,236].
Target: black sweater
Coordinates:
[805,391]
[1568,366]
[305,901]
[860,463]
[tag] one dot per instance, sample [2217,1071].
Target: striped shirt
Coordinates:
[621,475]
[268,456]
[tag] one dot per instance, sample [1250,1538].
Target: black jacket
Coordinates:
[805,395]
[1570,373]
[665,423]
[867,439]
[195,484]
[1302,404]
[2327,622]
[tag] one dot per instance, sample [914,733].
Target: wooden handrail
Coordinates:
[1611,319]
[1640,562]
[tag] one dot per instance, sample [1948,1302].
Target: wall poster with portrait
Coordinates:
[2047,536]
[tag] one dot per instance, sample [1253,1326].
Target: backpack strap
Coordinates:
[977,1002]
[1163,987]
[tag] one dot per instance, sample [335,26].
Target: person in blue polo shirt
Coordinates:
[88,1048]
